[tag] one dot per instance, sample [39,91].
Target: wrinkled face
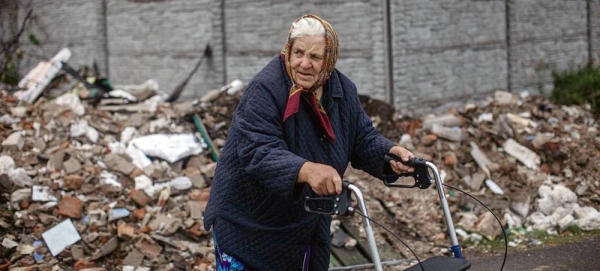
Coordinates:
[306,59]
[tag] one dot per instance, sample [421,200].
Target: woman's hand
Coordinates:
[404,154]
[323,179]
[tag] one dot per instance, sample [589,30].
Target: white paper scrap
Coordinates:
[170,147]
[61,236]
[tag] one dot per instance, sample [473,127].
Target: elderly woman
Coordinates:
[296,128]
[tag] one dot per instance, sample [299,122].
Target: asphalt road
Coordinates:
[584,255]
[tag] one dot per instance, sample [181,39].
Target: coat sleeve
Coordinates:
[369,146]
[262,149]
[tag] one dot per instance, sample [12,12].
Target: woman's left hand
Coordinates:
[404,154]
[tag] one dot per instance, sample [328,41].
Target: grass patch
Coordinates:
[578,87]
[532,239]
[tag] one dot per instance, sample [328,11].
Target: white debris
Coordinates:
[522,153]
[504,98]
[42,193]
[72,102]
[38,78]
[181,183]
[8,243]
[128,134]
[552,197]
[61,236]
[109,178]
[19,177]
[6,163]
[449,133]
[171,148]
[82,128]
[446,120]
[235,86]
[495,188]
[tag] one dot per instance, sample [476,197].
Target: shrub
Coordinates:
[578,87]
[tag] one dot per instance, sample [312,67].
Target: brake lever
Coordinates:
[421,174]
[331,205]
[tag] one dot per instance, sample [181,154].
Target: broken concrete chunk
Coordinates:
[165,225]
[209,169]
[118,163]
[480,158]
[8,243]
[453,134]
[56,160]
[14,141]
[42,193]
[19,111]
[150,250]
[505,98]
[526,156]
[109,247]
[140,198]
[72,166]
[195,209]
[19,177]
[181,183]
[447,120]
[134,258]
[77,252]
[38,78]
[97,217]
[520,123]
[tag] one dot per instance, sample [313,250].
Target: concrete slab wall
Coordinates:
[445,52]
[546,35]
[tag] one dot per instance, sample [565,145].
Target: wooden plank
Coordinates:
[348,257]
[333,261]
[385,250]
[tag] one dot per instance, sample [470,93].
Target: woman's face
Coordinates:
[306,59]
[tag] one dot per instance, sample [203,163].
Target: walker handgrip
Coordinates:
[421,174]
[331,205]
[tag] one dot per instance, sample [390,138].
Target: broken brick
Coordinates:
[70,207]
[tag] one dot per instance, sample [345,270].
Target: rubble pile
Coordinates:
[120,183]
[530,161]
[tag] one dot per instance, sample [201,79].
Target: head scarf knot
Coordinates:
[329,60]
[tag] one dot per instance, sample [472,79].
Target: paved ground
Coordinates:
[584,255]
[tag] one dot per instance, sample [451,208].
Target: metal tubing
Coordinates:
[444,201]
[367,226]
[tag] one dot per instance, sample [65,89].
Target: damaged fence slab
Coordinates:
[38,78]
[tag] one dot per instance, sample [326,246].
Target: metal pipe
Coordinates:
[387,45]
[444,202]
[370,265]
[367,226]
[105,36]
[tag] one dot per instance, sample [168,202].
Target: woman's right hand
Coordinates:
[323,179]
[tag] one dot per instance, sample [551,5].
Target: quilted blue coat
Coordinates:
[255,207]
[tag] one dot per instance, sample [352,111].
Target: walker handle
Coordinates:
[421,174]
[331,205]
